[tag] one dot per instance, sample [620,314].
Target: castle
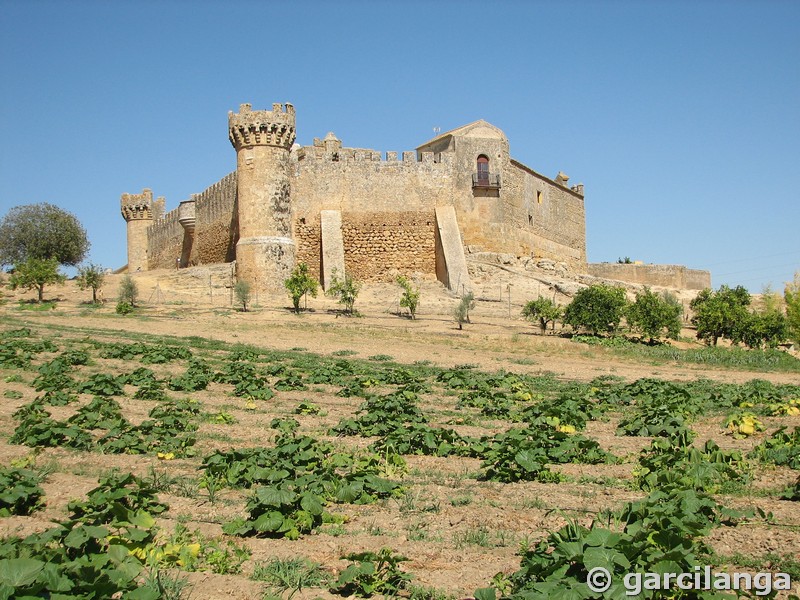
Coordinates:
[357,211]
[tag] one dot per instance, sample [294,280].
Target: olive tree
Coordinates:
[42,231]
[461,311]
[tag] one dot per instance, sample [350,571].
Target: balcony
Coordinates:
[489,181]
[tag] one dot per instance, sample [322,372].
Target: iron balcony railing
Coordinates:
[486,180]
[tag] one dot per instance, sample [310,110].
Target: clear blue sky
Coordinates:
[682,119]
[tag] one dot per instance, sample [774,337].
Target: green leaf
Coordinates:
[602,537]
[143,519]
[529,460]
[20,572]
[268,522]
[604,557]
[275,496]
[311,504]
[76,538]
[486,594]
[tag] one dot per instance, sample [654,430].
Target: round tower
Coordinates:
[137,210]
[265,251]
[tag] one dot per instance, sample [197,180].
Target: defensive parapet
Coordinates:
[262,127]
[262,139]
[138,211]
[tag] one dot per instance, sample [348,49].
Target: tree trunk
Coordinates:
[41,292]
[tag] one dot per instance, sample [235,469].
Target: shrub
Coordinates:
[242,292]
[410,297]
[544,311]
[461,311]
[124,308]
[299,284]
[91,276]
[598,309]
[791,296]
[128,292]
[655,315]
[345,289]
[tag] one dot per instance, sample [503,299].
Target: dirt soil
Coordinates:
[457,531]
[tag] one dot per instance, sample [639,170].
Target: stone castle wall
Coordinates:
[673,276]
[216,229]
[357,180]
[375,244]
[549,217]
[164,241]
[308,240]
[378,243]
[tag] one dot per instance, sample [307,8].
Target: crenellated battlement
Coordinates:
[138,207]
[325,151]
[250,127]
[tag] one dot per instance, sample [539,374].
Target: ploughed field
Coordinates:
[138,464]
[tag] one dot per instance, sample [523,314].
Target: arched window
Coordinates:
[483,170]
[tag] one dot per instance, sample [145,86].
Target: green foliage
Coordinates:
[34,274]
[193,551]
[91,276]
[597,308]
[299,284]
[410,297]
[374,573]
[461,311]
[655,315]
[792,492]
[95,554]
[128,292]
[43,232]
[124,308]
[290,574]
[380,415]
[759,329]
[671,461]
[345,289]
[523,454]
[20,493]
[102,384]
[781,448]
[661,533]
[37,429]
[791,296]
[543,311]
[242,292]
[418,438]
[197,377]
[300,476]
[307,408]
[280,511]
[716,314]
